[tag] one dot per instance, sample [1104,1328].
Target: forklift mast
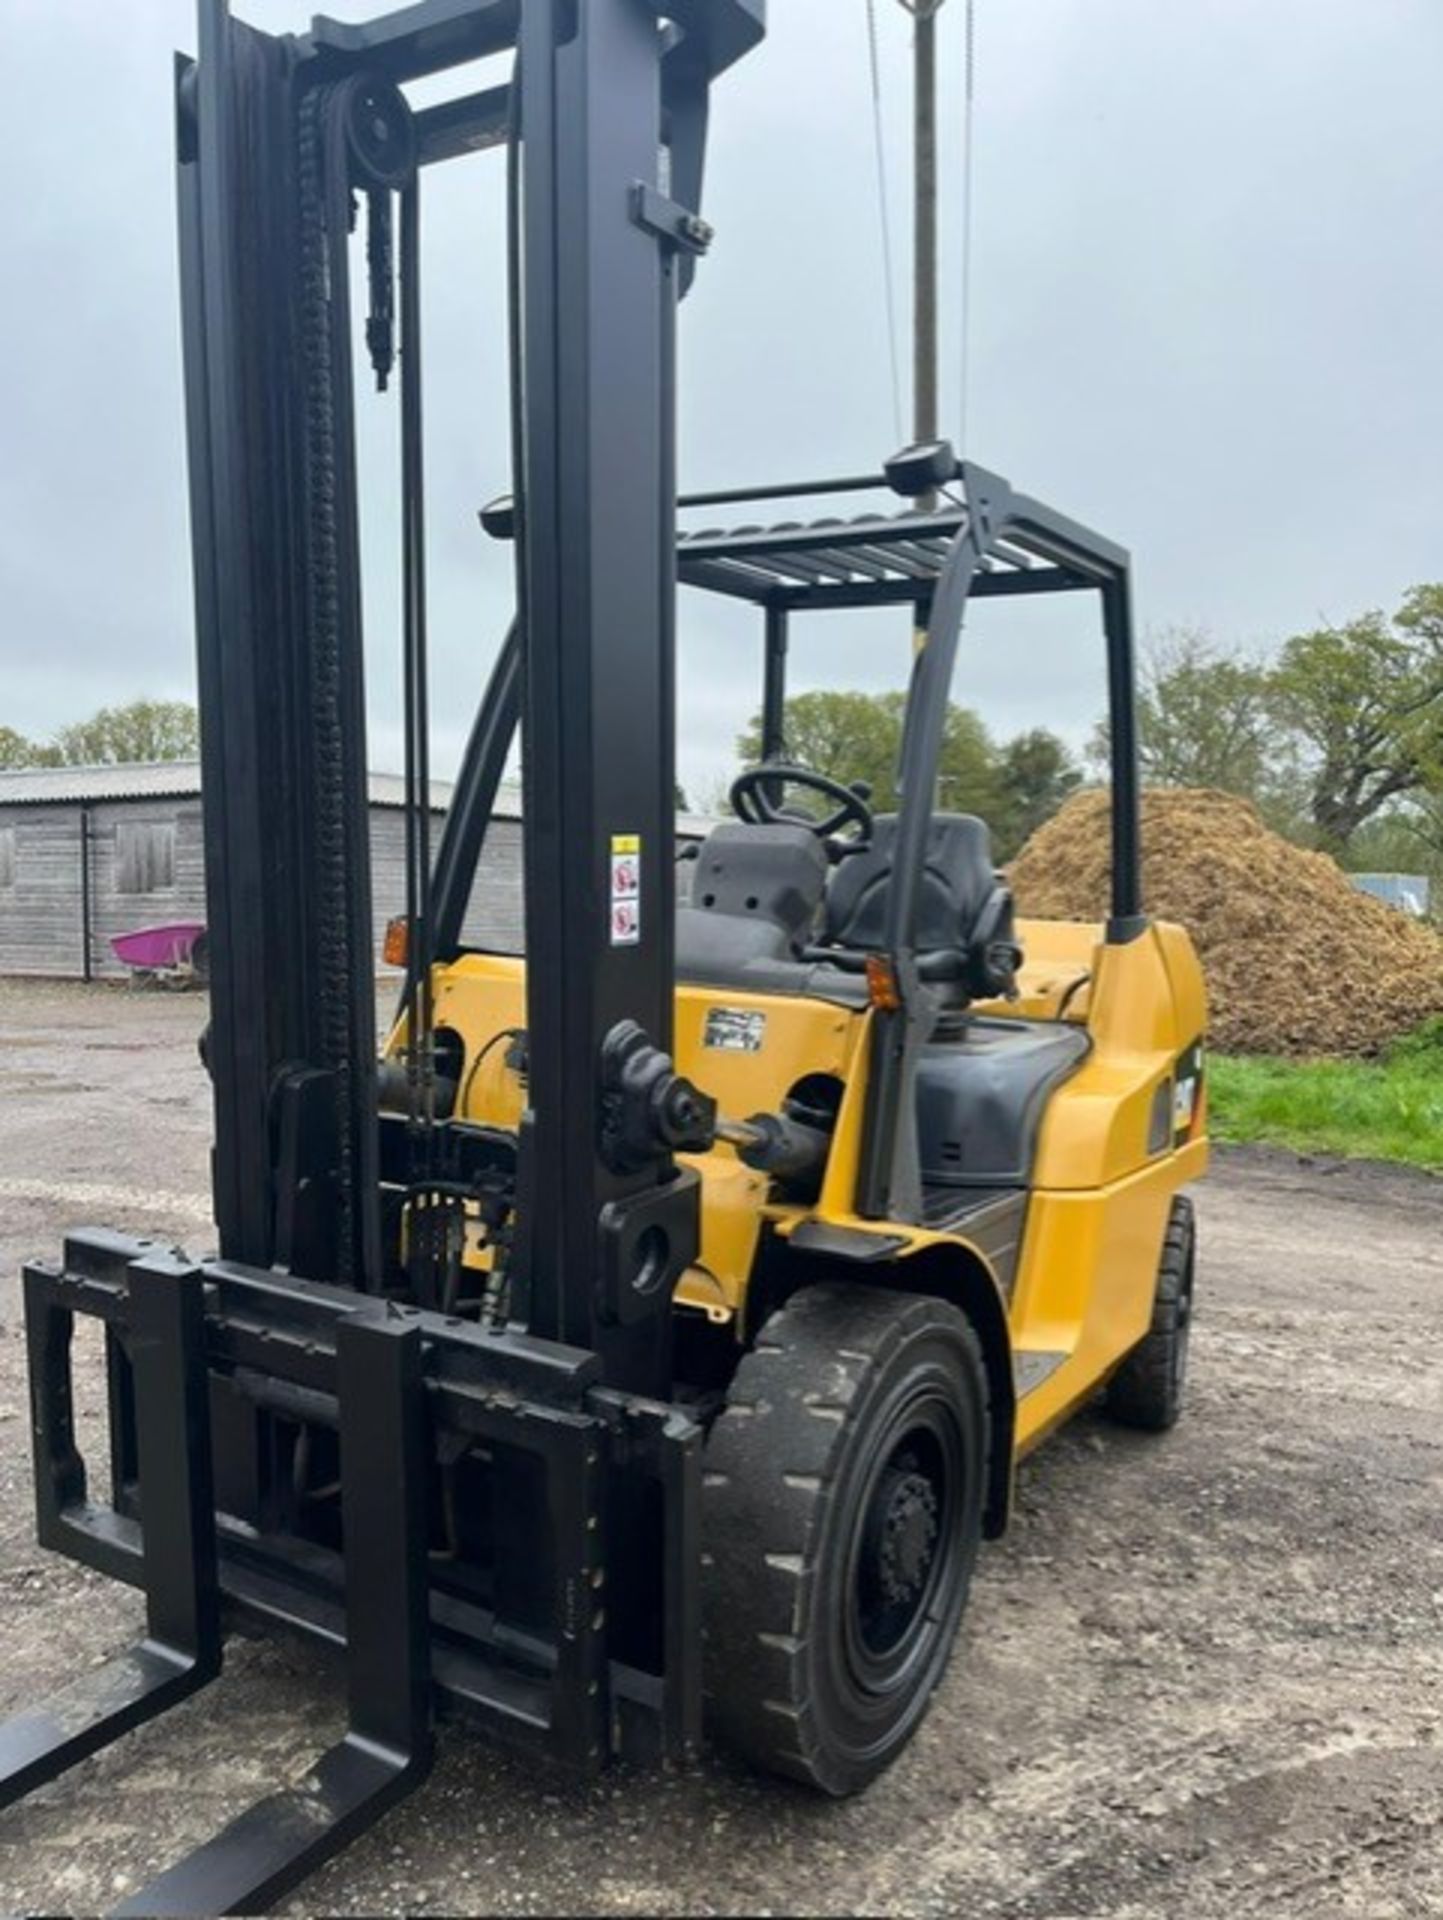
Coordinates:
[496,1515]
[283,142]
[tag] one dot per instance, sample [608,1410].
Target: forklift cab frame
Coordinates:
[984,541]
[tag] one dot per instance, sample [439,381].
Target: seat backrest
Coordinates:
[963,909]
[775,874]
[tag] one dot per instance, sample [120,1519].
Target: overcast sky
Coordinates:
[1208,319]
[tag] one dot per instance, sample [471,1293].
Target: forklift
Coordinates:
[648,1336]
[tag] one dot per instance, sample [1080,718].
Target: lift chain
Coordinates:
[319,123]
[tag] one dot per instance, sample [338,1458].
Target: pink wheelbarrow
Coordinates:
[178,954]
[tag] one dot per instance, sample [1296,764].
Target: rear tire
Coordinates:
[1148,1389]
[842,1512]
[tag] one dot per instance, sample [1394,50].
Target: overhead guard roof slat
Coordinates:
[880,559]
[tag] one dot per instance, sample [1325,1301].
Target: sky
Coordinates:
[1207,319]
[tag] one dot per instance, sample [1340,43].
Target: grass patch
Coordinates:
[1389,1109]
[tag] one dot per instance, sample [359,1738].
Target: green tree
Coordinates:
[15,749]
[144,730]
[1407,838]
[1366,698]
[1035,774]
[844,734]
[858,736]
[1205,718]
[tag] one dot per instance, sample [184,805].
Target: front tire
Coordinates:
[842,1512]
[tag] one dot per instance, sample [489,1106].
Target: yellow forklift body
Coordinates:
[1102,1183]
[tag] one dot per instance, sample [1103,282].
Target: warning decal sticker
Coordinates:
[625,889]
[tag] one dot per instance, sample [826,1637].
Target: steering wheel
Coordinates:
[754,801]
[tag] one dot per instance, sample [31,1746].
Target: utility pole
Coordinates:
[925,407]
[924,236]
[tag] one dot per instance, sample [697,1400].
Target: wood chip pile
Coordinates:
[1297,960]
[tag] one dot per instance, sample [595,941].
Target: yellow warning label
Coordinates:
[626,889]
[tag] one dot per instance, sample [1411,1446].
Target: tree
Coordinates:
[846,735]
[1035,774]
[16,750]
[1205,718]
[1367,700]
[1407,838]
[144,730]
[858,736]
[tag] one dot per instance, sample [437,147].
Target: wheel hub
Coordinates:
[908,1535]
[907,1551]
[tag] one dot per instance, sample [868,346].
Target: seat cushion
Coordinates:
[752,955]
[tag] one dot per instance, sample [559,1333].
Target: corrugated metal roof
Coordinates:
[57,786]
[180,780]
[389,790]
[157,780]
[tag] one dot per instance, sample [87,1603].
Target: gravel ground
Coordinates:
[1203,1675]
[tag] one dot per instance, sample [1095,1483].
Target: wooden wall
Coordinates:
[494,918]
[40,905]
[40,893]
[40,910]
[41,920]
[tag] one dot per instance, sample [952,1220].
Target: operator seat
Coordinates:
[759,892]
[755,896]
[966,937]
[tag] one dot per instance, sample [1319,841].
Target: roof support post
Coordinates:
[774,684]
[1127,914]
[889,1180]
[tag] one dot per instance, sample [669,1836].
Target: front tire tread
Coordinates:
[769,1482]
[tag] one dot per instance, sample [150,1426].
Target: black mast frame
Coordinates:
[576,1633]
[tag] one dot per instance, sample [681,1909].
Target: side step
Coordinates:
[381,1401]
[1033,1367]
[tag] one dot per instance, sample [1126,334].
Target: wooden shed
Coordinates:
[87,853]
